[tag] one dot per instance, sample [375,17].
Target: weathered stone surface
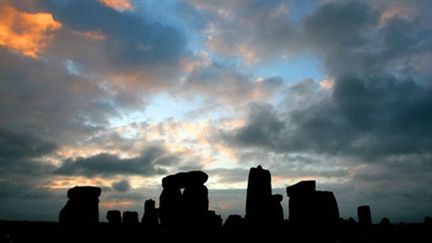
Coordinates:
[82,206]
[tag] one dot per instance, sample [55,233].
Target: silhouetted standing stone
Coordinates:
[258,198]
[385,221]
[276,214]
[82,206]
[188,210]
[427,220]
[113,216]
[150,218]
[169,206]
[310,207]
[364,215]
[195,200]
[314,214]
[130,217]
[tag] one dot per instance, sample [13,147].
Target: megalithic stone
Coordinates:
[276,214]
[82,206]
[183,179]
[301,188]
[130,217]
[327,208]
[258,198]
[310,207]
[177,210]
[113,216]
[364,215]
[150,217]
[195,199]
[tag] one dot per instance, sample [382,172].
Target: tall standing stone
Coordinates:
[364,215]
[276,214]
[150,217]
[82,206]
[259,196]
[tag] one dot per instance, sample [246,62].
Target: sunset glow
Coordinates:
[26,33]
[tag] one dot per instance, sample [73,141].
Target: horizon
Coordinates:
[121,93]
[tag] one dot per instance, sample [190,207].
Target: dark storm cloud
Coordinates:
[148,163]
[121,186]
[364,43]
[43,99]
[20,153]
[15,145]
[263,127]
[21,168]
[372,112]
[22,201]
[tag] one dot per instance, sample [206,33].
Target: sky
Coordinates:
[119,94]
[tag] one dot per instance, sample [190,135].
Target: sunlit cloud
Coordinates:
[66,182]
[119,5]
[326,84]
[26,33]
[400,10]
[117,204]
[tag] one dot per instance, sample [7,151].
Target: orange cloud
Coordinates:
[26,33]
[64,182]
[119,5]
[110,204]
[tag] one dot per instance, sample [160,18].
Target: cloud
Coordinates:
[22,170]
[267,29]
[371,112]
[20,156]
[16,145]
[23,201]
[119,5]
[229,86]
[148,163]
[135,51]
[262,128]
[24,32]
[40,97]
[121,186]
